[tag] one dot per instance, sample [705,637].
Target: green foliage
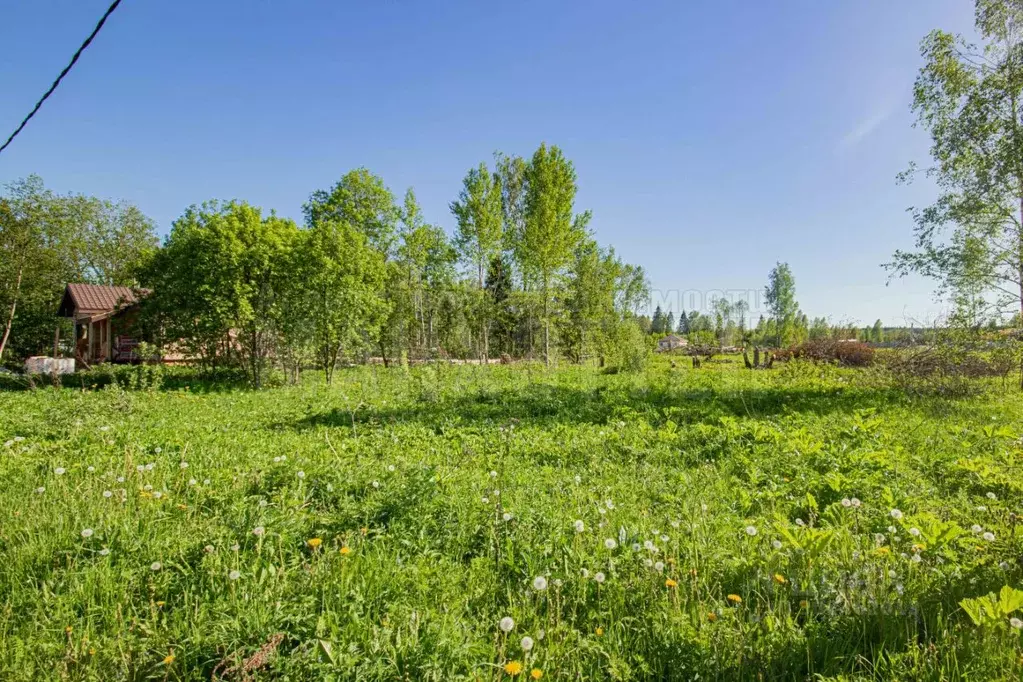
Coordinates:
[48,240]
[969,100]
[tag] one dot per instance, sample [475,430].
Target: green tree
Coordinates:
[780,297]
[361,200]
[969,100]
[48,240]
[217,284]
[657,322]
[877,332]
[348,273]
[551,230]
[478,211]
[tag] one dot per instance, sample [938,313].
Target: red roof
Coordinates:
[90,299]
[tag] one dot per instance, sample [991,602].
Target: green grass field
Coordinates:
[713,524]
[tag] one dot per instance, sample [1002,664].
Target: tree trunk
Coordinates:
[546,324]
[14,307]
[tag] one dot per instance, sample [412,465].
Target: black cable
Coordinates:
[110,10]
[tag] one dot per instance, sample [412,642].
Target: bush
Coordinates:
[844,353]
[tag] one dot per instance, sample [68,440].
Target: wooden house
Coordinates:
[103,318]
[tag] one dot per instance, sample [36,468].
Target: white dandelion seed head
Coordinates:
[578,480]
[376,484]
[390,467]
[648,562]
[208,549]
[800,523]
[60,471]
[40,490]
[599,577]
[497,493]
[506,624]
[486,500]
[205,481]
[992,496]
[915,532]
[103,552]
[776,544]
[158,449]
[659,566]
[300,474]
[609,504]
[264,503]
[892,529]
[234,575]
[150,466]
[846,502]
[585,573]
[610,543]
[235,547]
[157,495]
[664,538]
[192,481]
[277,460]
[751,530]
[108,494]
[539,583]
[140,468]
[527,643]
[90,469]
[601,511]
[1016,623]
[1004,565]
[855,502]
[896,514]
[636,547]
[147,487]
[915,558]
[183,465]
[493,474]
[87,533]
[507,516]
[981,508]
[989,536]
[259,531]
[579,526]
[976,528]
[120,479]
[155,566]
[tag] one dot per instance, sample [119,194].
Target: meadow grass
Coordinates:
[712,524]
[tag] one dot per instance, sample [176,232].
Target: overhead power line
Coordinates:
[95,31]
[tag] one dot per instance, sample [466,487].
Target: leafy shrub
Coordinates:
[845,353]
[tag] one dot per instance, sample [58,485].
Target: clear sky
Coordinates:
[711,139]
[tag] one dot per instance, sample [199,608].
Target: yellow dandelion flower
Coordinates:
[600,632]
[92,651]
[735,599]
[882,550]
[314,542]
[670,583]
[346,550]
[160,603]
[536,673]
[364,530]
[711,616]
[168,659]
[513,667]
[803,604]
[919,547]
[182,507]
[780,579]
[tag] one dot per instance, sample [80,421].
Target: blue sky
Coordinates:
[710,139]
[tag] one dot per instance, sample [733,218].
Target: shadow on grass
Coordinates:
[547,404]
